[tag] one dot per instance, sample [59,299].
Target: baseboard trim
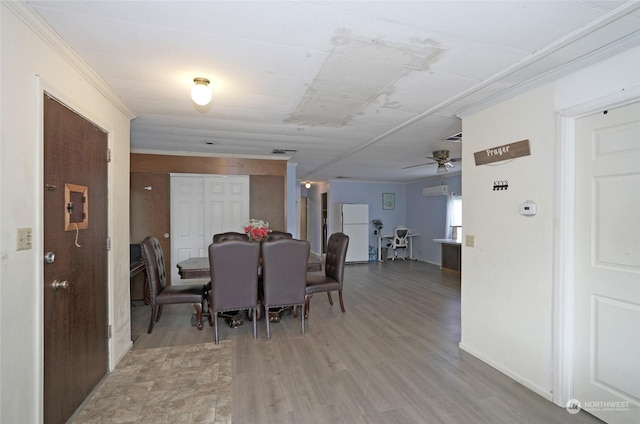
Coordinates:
[514,376]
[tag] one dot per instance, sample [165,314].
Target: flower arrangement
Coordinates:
[378,224]
[257,229]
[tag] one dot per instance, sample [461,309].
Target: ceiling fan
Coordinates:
[441,157]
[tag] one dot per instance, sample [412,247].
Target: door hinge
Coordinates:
[108,155]
[109,331]
[108,244]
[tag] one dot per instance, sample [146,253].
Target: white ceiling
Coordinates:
[359,89]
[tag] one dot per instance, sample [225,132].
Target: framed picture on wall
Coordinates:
[388,200]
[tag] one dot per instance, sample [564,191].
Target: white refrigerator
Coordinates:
[354,222]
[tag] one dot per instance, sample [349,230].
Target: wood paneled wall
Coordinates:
[206,165]
[267,190]
[149,215]
[267,200]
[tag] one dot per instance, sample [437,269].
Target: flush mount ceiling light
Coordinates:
[201,93]
[307,185]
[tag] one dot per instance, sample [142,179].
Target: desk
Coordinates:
[389,237]
[199,267]
[451,254]
[136,268]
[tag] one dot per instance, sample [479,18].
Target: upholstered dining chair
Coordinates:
[333,271]
[161,294]
[234,279]
[229,235]
[277,235]
[284,275]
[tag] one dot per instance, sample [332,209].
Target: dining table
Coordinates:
[199,267]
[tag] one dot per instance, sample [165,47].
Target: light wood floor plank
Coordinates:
[393,357]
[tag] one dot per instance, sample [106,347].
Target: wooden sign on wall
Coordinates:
[504,152]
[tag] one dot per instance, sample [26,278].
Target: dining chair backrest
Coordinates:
[336,256]
[234,274]
[277,235]
[284,275]
[284,271]
[229,235]
[154,266]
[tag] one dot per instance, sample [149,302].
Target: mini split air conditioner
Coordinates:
[441,190]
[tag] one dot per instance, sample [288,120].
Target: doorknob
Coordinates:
[59,285]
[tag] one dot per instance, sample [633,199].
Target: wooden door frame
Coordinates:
[42,88]
[564,247]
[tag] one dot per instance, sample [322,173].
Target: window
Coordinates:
[454,216]
[456,210]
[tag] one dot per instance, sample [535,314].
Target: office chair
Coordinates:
[399,241]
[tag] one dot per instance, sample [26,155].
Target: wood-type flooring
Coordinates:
[393,357]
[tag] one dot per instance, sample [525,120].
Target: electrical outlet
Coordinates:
[469,241]
[24,238]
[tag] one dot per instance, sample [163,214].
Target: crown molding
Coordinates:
[611,49]
[34,22]
[630,41]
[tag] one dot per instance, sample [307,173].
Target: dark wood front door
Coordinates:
[75,313]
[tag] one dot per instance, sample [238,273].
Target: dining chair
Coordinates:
[234,279]
[284,275]
[161,294]
[229,235]
[333,271]
[277,235]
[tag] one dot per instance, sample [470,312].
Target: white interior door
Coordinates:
[187,220]
[607,265]
[227,204]
[201,206]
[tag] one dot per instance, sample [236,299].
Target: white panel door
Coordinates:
[201,206]
[607,265]
[187,218]
[227,200]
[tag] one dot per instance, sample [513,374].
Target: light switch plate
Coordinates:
[469,241]
[24,238]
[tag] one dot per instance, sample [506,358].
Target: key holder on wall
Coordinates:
[500,185]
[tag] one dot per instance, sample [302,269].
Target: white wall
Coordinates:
[507,276]
[25,55]
[508,279]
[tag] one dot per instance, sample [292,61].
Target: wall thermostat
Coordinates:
[528,208]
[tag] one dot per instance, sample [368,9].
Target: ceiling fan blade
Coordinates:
[420,164]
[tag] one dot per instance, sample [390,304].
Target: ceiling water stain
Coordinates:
[358,72]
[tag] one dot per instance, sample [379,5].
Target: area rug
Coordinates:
[178,384]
